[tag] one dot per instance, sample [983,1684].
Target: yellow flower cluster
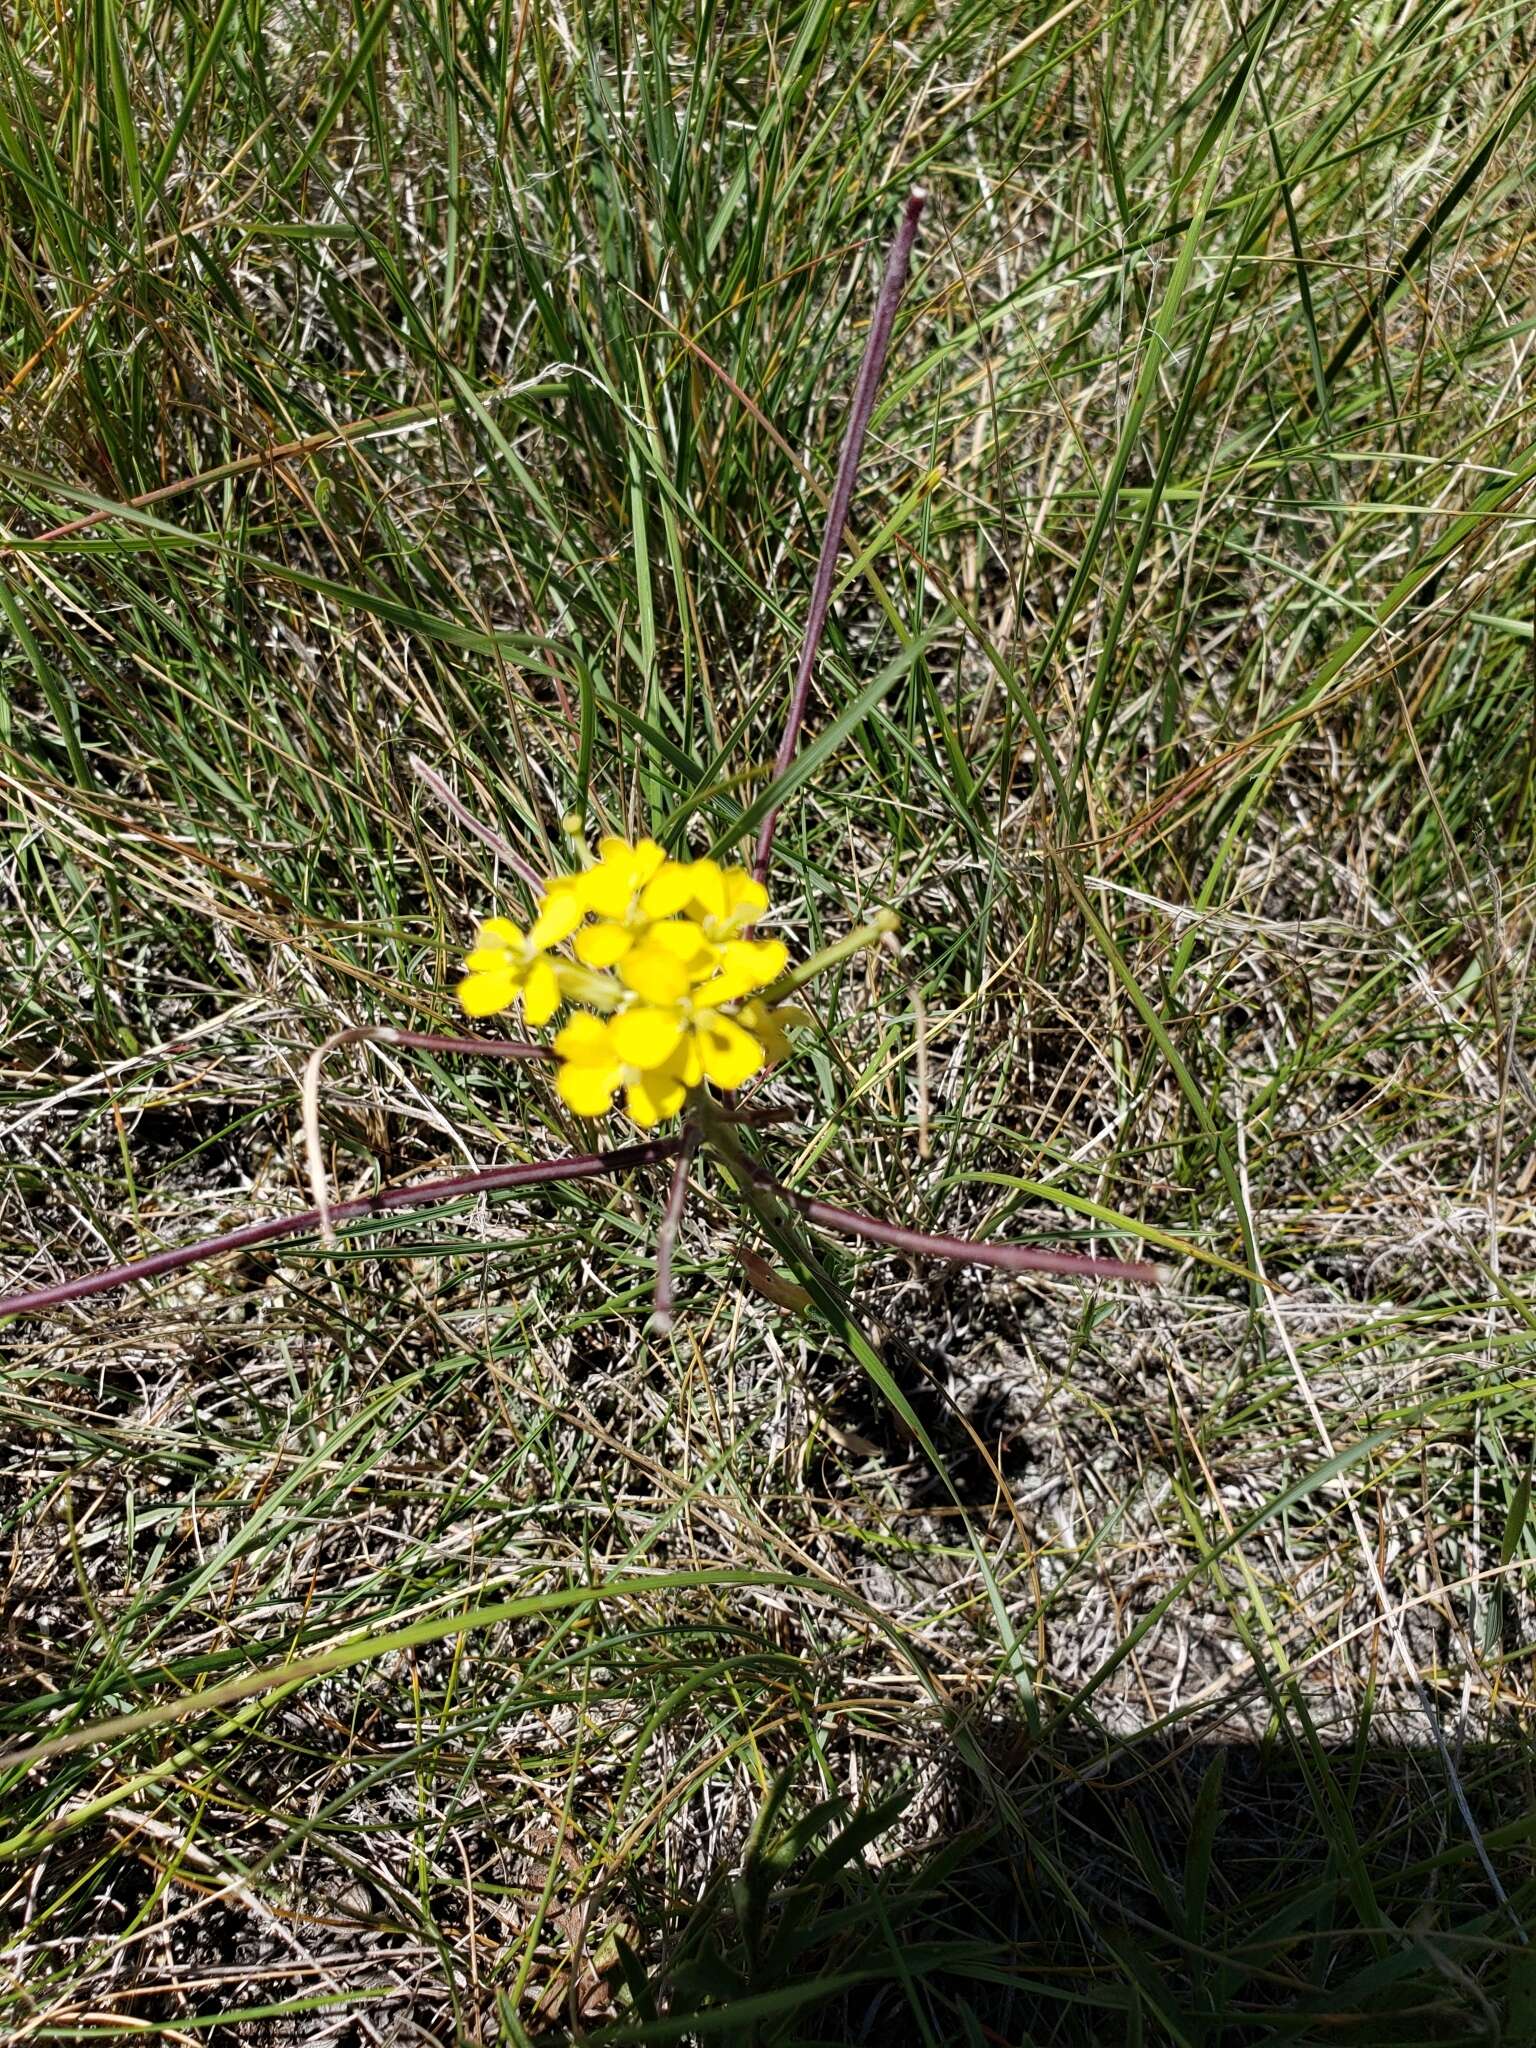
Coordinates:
[667,981]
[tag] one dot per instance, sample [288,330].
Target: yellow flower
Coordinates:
[665,925]
[723,902]
[507,963]
[666,961]
[715,965]
[656,1055]
[674,949]
[610,886]
[593,1066]
[664,968]
[687,1041]
[611,889]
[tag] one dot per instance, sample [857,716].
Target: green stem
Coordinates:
[869,934]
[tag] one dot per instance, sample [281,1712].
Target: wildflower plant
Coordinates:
[667,991]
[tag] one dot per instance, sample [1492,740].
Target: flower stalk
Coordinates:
[666,1234]
[860,411]
[488,1180]
[922,1244]
[958,1251]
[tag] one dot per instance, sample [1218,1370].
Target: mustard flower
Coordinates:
[723,902]
[611,889]
[507,963]
[662,923]
[668,967]
[657,1056]
[668,984]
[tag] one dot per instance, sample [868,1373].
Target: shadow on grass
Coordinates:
[1138,1890]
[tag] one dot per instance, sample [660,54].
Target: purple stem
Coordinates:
[483,832]
[962,1251]
[891,287]
[666,1235]
[488,1180]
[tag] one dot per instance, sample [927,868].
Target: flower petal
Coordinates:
[587,1090]
[680,937]
[585,1040]
[599,945]
[745,898]
[744,965]
[646,1038]
[654,975]
[688,1067]
[500,931]
[766,959]
[541,993]
[652,1097]
[708,887]
[559,914]
[649,859]
[609,888]
[669,890]
[493,960]
[728,1054]
[482,995]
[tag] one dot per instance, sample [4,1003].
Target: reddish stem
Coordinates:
[666,1235]
[488,1180]
[960,1251]
[379,1034]
[862,406]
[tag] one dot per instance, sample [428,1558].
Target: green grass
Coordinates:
[958,1661]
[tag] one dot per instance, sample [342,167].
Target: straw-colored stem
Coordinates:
[487,834]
